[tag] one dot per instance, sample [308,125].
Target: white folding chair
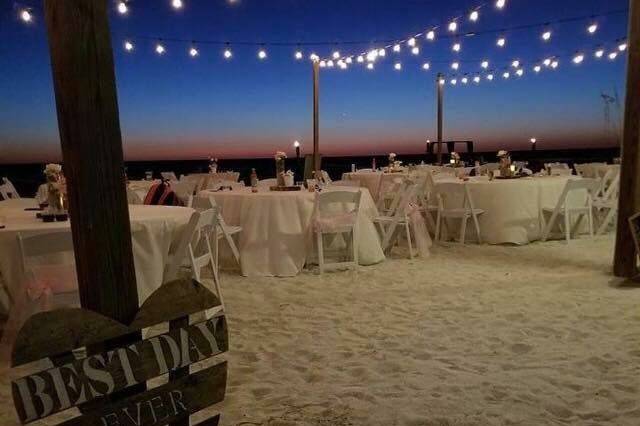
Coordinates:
[558,169]
[605,205]
[570,204]
[336,213]
[223,230]
[455,202]
[133,197]
[267,183]
[7,190]
[387,191]
[183,190]
[178,251]
[397,216]
[199,249]
[170,176]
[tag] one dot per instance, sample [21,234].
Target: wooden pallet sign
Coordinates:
[93,383]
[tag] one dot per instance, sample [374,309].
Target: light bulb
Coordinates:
[506,75]
[441,81]
[599,53]
[426,66]
[555,64]
[431,35]
[160,49]
[128,46]
[336,55]
[454,81]
[177,4]
[122,8]
[415,50]
[262,54]
[330,63]
[228,54]
[473,16]
[592,28]
[537,68]
[546,36]
[476,79]
[298,55]
[411,42]
[342,65]
[501,42]
[578,58]
[372,55]
[613,55]
[453,26]
[520,72]
[485,64]
[396,48]
[490,77]
[314,57]
[323,64]
[464,80]
[370,66]
[455,65]
[515,63]
[398,66]
[547,62]
[456,47]
[500,3]
[622,46]
[25,15]
[360,59]
[382,52]
[349,60]
[296,144]
[193,52]
[533,140]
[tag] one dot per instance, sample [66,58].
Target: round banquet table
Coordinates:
[513,207]
[373,180]
[154,229]
[276,237]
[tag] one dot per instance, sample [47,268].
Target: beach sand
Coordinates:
[475,335]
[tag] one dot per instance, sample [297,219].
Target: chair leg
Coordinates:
[567,225]
[476,223]
[590,219]
[408,231]
[463,229]
[438,226]
[320,252]
[606,221]
[217,250]
[549,225]
[355,246]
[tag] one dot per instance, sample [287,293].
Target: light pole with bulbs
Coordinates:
[296,145]
[533,143]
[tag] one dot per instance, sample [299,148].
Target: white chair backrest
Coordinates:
[184,190]
[133,197]
[575,191]
[170,176]
[266,183]
[38,245]
[208,220]
[325,176]
[7,190]
[203,203]
[178,251]
[337,201]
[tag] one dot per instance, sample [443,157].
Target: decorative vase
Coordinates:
[280,171]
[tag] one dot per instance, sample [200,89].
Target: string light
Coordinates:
[506,75]
[336,54]
[382,53]
[485,64]
[370,66]
[520,72]
[547,62]
[262,54]
[298,55]
[360,59]
[372,56]
[426,66]
[160,50]
[122,8]
[501,3]
[592,28]
[537,68]
[474,15]
[26,16]
[411,42]
[177,4]
[322,64]
[349,60]
[622,46]
[490,77]
[441,81]
[397,48]
[501,42]
[342,65]
[398,66]
[613,55]
[455,66]
[464,80]
[453,26]
[456,47]
[599,53]
[578,58]
[454,81]
[476,79]
[330,63]
[228,54]
[193,52]
[546,35]
[415,50]
[515,63]
[431,35]
[128,46]
[554,64]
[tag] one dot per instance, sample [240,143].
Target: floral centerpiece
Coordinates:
[505,163]
[56,188]
[455,160]
[280,157]
[213,165]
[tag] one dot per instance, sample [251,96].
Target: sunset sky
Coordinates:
[177,107]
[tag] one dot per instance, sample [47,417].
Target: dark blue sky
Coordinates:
[178,107]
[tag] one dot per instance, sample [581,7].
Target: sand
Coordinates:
[475,335]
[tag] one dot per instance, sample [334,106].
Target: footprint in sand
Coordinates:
[521,348]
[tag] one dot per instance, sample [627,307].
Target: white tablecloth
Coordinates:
[153,228]
[373,180]
[513,206]
[276,237]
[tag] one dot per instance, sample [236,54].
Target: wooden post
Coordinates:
[440,88]
[316,119]
[89,127]
[629,204]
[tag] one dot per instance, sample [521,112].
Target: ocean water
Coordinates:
[27,177]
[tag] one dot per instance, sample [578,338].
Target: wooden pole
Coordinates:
[89,127]
[316,119]
[440,89]
[629,204]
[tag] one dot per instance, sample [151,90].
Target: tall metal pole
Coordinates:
[440,89]
[624,264]
[316,119]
